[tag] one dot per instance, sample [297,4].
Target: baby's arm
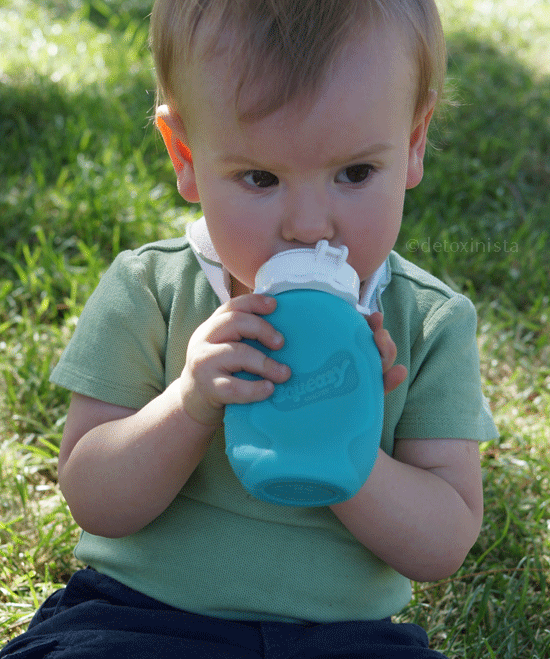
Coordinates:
[421,510]
[120,468]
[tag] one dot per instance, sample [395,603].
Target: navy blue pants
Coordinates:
[96,616]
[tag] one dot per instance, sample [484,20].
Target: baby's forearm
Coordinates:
[412,519]
[122,474]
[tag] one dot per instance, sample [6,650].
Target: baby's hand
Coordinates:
[216,351]
[393,375]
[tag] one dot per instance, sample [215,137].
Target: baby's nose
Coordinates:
[309,220]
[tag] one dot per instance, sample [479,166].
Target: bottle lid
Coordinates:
[322,268]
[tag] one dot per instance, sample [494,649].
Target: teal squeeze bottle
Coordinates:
[314,441]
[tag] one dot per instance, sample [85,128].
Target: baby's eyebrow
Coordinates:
[364,154]
[241,160]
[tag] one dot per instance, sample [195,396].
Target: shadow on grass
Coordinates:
[79,164]
[480,216]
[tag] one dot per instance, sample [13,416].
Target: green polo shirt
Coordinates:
[216,550]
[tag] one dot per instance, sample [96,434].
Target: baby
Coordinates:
[290,121]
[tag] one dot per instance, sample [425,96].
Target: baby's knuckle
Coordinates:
[227,390]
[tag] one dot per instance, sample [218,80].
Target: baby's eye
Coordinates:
[258,178]
[354,174]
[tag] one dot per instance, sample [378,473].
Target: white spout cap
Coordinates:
[322,269]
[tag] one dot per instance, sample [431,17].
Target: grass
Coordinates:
[82,176]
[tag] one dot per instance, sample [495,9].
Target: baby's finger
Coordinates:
[387,349]
[384,342]
[238,357]
[258,386]
[231,389]
[235,325]
[393,377]
[375,321]
[251,303]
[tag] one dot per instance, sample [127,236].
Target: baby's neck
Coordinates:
[238,288]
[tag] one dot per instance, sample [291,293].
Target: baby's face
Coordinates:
[336,169]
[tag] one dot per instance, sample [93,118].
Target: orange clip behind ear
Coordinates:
[179,152]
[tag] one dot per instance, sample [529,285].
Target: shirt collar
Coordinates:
[219,279]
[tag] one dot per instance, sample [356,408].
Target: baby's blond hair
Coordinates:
[285,45]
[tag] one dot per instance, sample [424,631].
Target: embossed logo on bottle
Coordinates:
[337,377]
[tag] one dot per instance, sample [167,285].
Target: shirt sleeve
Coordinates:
[444,398]
[117,351]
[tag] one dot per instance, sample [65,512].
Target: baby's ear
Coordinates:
[173,133]
[417,147]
